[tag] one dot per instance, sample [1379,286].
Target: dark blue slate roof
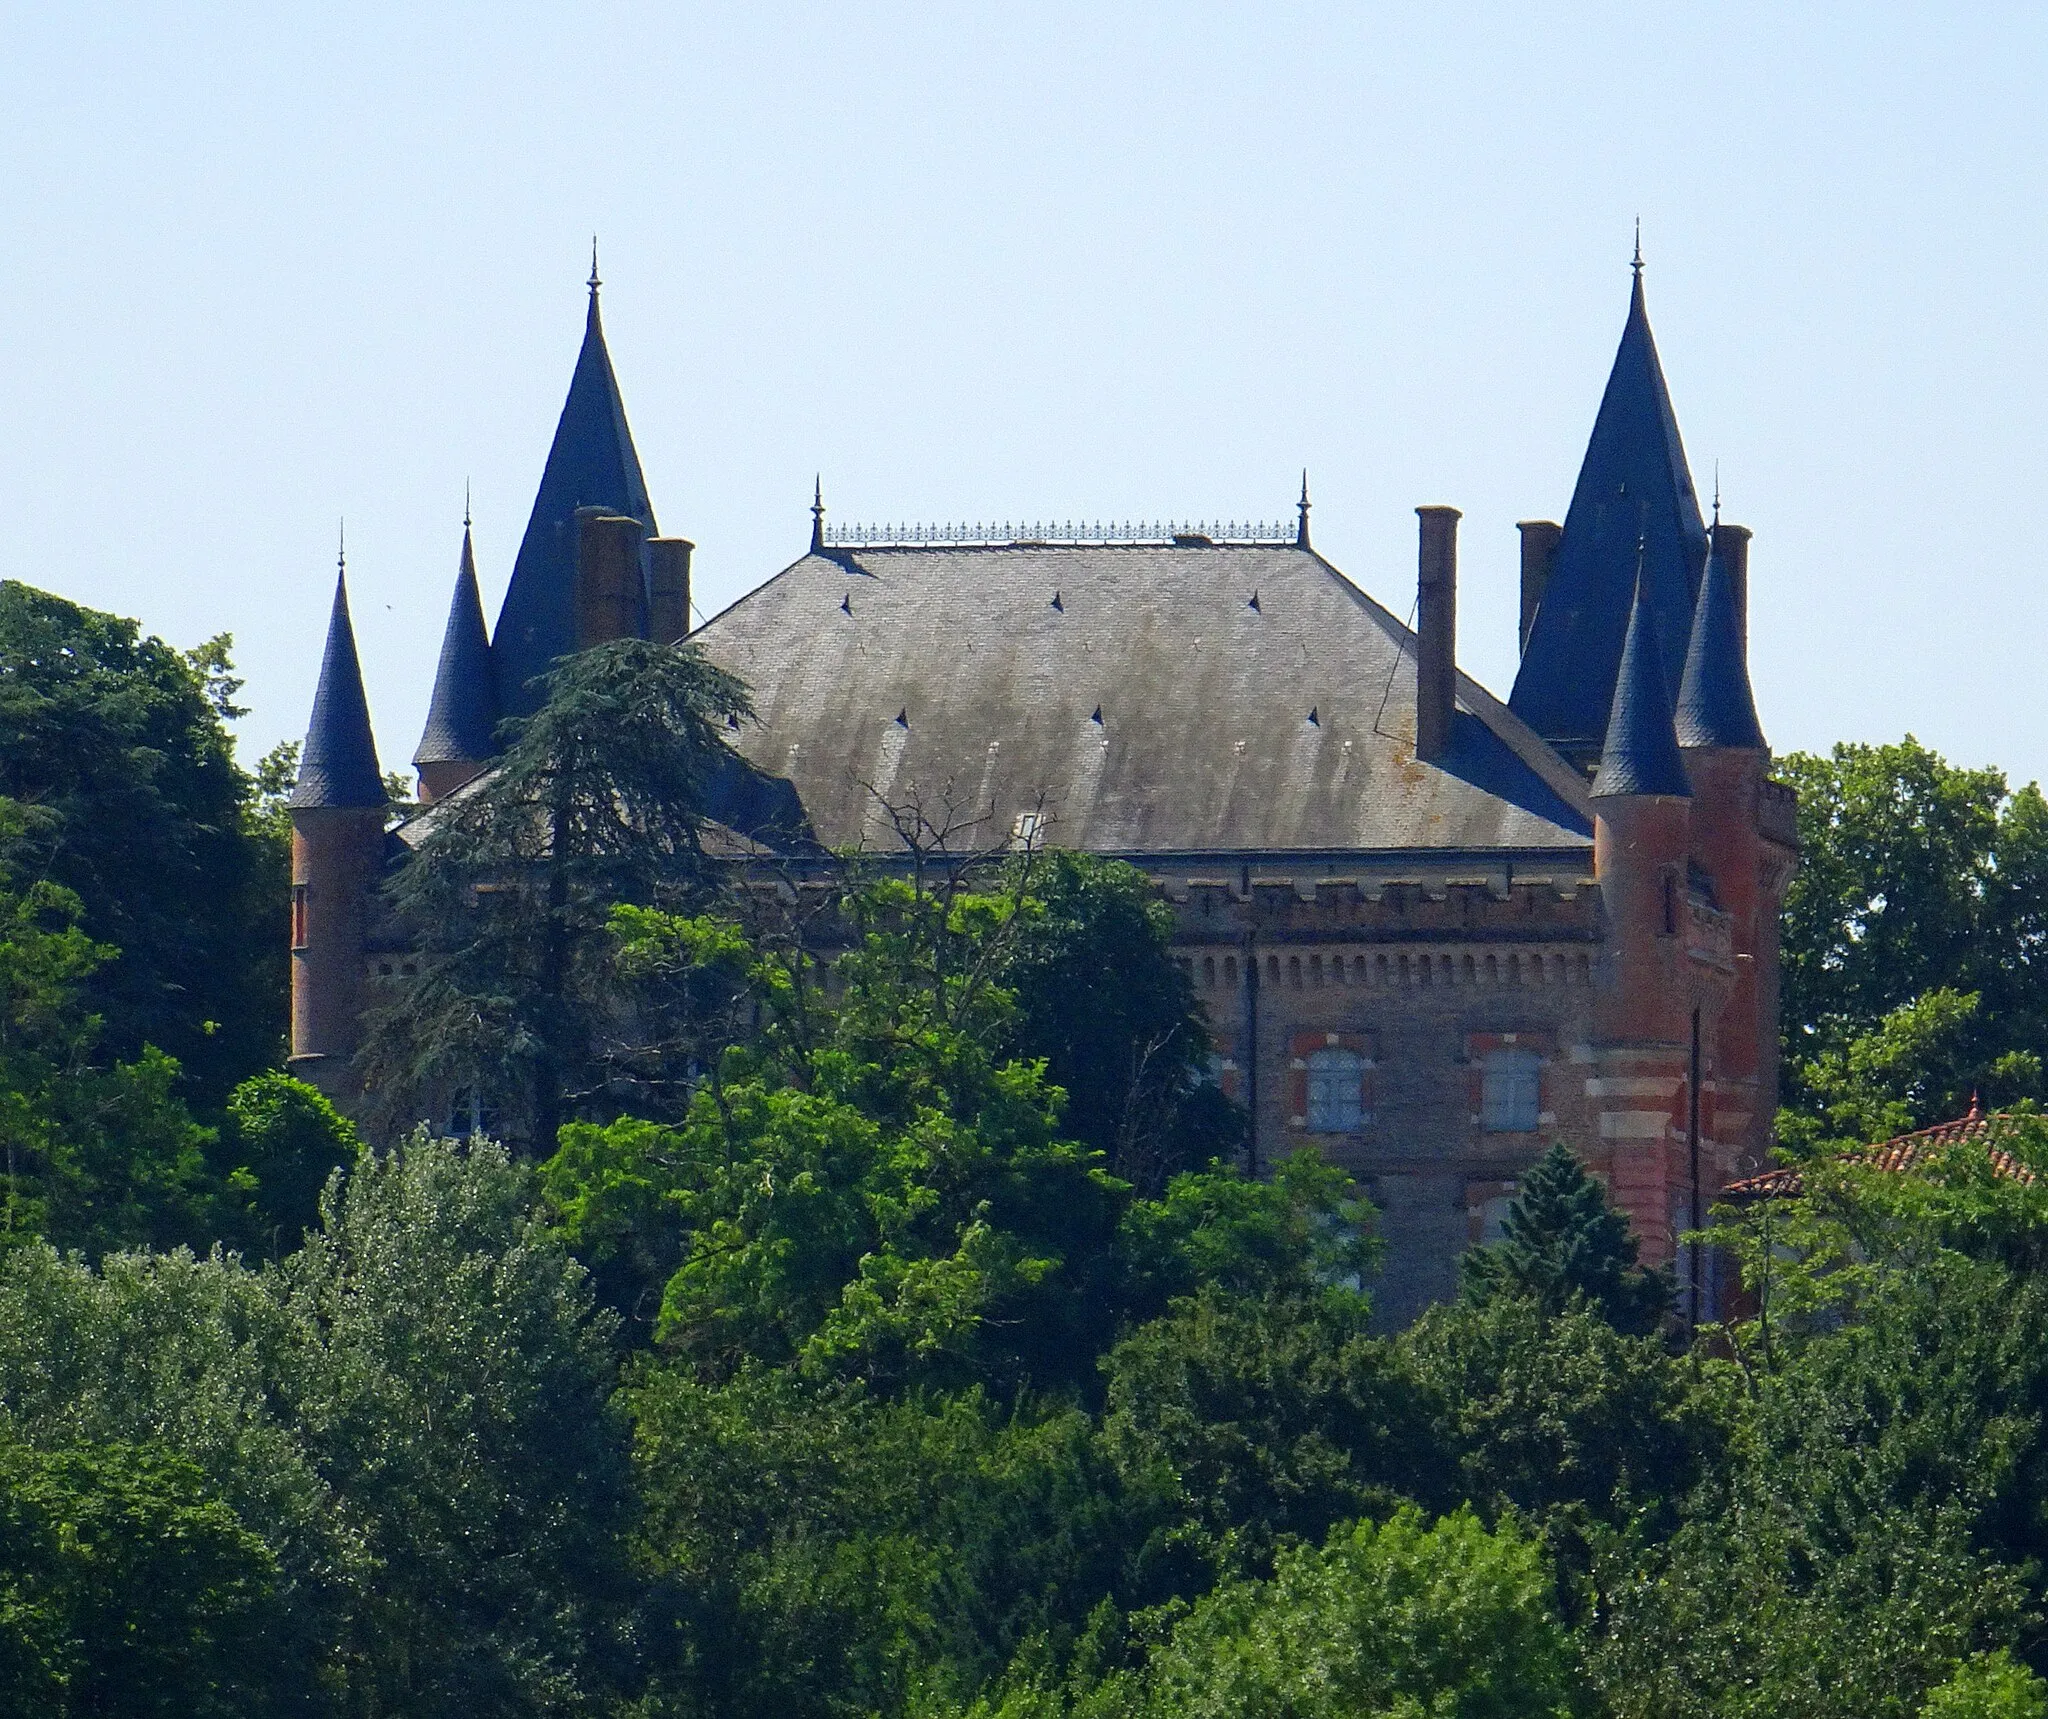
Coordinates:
[1640,754]
[1715,704]
[592,464]
[339,764]
[462,720]
[1634,487]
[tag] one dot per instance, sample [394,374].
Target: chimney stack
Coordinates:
[608,580]
[1731,542]
[668,589]
[1436,632]
[1539,549]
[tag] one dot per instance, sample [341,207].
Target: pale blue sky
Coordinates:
[267,266]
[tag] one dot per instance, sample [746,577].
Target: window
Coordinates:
[1511,1091]
[298,916]
[1336,1091]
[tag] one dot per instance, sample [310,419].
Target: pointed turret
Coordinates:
[1715,704]
[462,720]
[1634,487]
[592,464]
[337,810]
[1640,756]
[339,764]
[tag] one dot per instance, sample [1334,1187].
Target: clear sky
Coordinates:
[269,266]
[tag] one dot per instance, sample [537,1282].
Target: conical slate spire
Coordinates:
[591,464]
[462,720]
[339,764]
[1715,704]
[1634,487]
[1640,755]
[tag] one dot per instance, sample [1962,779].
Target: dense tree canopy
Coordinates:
[1916,932]
[883,1325]
[115,749]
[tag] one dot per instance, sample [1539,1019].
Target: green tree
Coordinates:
[125,1588]
[450,1383]
[1882,1520]
[1101,999]
[1921,885]
[827,1552]
[121,746]
[1988,1686]
[1261,1421]
[598,801]
[96,1154]
[1561,1242]
[1593,1438]
[1385,1622]
[280,1143]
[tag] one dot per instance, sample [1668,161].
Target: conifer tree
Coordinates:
[599,800]
[1562,1240]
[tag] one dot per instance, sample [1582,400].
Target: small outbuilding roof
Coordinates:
[1906,1152]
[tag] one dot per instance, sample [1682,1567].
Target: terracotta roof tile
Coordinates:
[1907,1152]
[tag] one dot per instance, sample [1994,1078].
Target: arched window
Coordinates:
[1336,1091]
[1510,1091]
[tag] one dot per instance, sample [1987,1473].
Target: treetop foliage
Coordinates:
[882,1325]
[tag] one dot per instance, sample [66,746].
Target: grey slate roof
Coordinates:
[338,766]
[462,720]
[1640,754]
[592,463]
[1715,704]
[1633,485]
[1153,710]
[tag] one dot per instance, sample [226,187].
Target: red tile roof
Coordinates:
[1907,1152]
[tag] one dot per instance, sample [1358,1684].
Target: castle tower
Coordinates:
[1642,837]
[462,720]
[1635,493]
[1726,758]
[337,812]
[591,514]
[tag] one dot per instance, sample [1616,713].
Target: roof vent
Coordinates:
[1097,717]
[1314,721]
[1254,603]
[1057,604]
[846,604]
[903,717]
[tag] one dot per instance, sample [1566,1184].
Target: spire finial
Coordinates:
[817,513]
[341,548]
[1301,508]
[465,504]
[1717,492]
[1637,264]
[594,282]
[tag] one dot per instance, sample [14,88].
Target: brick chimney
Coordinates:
[1436,632]
[1539,548]
[609,589]
[668,589]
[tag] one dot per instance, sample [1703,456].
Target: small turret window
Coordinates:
[1336,1092]
[1510,1091]
[298,916]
